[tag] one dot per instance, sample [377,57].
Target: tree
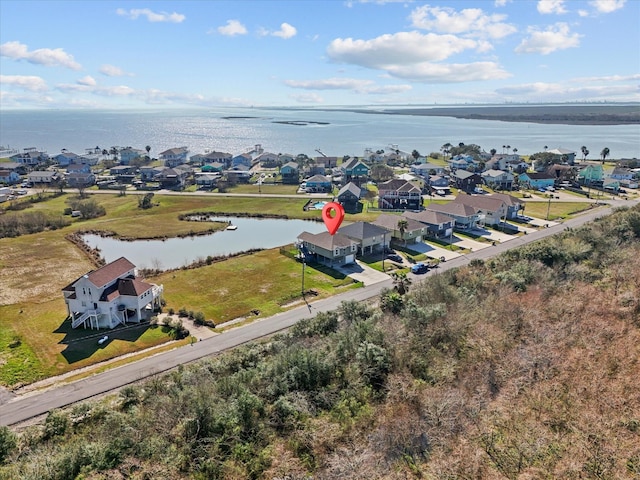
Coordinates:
[7,443]
[493,151]
[515,150]
[583,149]
[446,149]
[381,172]
[604,154]
[148,149]
[401,282]
[415,154]
[402,227]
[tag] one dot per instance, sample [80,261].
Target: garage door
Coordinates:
[349,259]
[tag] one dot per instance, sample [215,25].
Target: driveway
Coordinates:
[362,273]
[469,244]
[434,251]
[492,235]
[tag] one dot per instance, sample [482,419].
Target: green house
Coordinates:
[591,174]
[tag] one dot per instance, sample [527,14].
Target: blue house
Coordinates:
[290,173]
[241,160]
[318,184]
[537,180]
[128,154]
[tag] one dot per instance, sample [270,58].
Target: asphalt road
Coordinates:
[31,405]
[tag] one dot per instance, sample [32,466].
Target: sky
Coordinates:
[306,53]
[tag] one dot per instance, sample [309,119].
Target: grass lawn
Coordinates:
[36,342]
[269,188]
[557,210]
[264,281]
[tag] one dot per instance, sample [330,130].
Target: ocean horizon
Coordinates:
[294,131]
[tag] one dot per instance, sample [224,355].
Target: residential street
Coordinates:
[21,408]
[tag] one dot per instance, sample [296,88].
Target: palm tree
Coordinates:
[515,150]
[545,148]
[148,149]
[604,154]
[401,282]
[415,154]
[446,149]
[583,149]
[493,151]
[402,227]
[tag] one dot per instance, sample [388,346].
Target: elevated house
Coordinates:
[242,159]
[172,178]
[149,174]
[590,175]
[498,179]
[489,210]
[413,231]
[207,180]
[110,296]
[465,180]
[564,155]
[128,154]
[174,156]
[30,157]
[369,237]
[355,170]
[349,197]
[268,160]
[318,184]
[438,225]
[537,180]
[9,177]
[210,158]
[290,173]
[238,174]
[78,168]
[66,158]
[427,169]
[622,173]
[463,162]
[45,177]
[328,249]
[398,194]
[464,216]
[80,179]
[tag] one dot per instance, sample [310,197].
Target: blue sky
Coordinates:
[159,54]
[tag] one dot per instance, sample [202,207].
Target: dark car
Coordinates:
[419,268]
[394,257]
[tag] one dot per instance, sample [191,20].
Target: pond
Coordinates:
[251,233]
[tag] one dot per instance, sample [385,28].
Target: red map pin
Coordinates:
[332,214]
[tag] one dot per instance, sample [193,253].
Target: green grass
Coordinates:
[557,210]
[266,281]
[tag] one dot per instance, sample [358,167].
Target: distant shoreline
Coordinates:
[553,114]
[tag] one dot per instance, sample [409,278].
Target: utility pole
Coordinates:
[549,207]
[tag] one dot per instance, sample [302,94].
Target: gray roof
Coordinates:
[429,217]
[452,208]
[350,187]
[362,230]
[390,222]
[326,240]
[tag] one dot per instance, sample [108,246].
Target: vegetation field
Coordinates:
[557,210]
[524,366]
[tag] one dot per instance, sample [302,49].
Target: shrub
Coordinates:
[7,443]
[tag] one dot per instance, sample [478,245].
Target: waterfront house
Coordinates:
[171,178]
[128,154]
[244,160]
[464,216]
[110,296]
[122,170]
[498,179]
[349,198]
[9,177]
[564,155]
[328,162]
[427,169]
[268,160]
[210,158]
[207,180]
[328,249]
[213,167]
[65,158]
[622,173]
[369,237]
[536,180]
[174,156]
[466,180]
[30,157]
[414,231]
[290,173]
[437,224]
[318,184]
[463,162]
[238,174]
[78,168]
[399,194]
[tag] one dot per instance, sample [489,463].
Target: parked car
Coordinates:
[419,268]
[103,339]
[394,257]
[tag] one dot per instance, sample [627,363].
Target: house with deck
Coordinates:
[399,194]
[110,296]
[30,157]
[466,180]
[9,177]
[174,156]
[413,230]
[369,237]
[328,249]
[290,173]
[349,198]
[498,179]
[355,170]
[464,216]
[537,180]
[438,225]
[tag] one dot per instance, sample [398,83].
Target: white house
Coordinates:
[109,296]
[174,156]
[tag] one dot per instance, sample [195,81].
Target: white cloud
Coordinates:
[152,16]
[42,56]
[449,73]
[286,31]
[397,49]
[607,6]
[27,82]
[232,28]
[469,21]
[88,80]
[555,37]
[113,71]
[540,91]
[307,98]
[501,3]
[551,6]
[351,84]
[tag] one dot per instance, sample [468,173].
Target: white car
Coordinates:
[103,339]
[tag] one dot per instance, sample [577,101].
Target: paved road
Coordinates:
[22,408]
